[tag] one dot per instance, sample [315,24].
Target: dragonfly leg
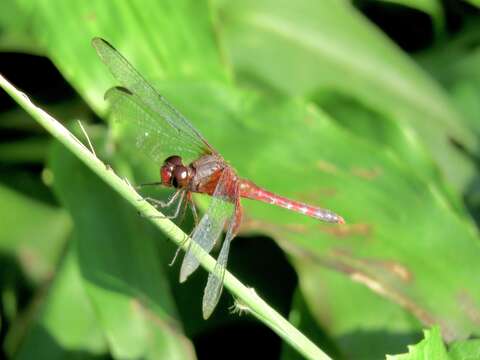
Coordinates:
[179,206]
[185,239]
[178,250]
[193,207]
[184,210]
[177,210]
[188,202]
[160,203]
[180,247]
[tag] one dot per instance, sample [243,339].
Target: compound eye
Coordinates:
[174,160]
[166,175]
[180,177]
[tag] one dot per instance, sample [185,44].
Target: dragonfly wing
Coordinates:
[214,287]
[141,125]
[165,116]
[212,223]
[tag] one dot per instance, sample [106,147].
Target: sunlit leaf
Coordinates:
[431,347]
[401,230]
[305,48]
[65,328]
[147,32]
[363,324]
[465,350]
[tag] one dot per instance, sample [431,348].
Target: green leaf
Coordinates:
[465,350]
[16,32]
[33,231]
[401,229]
[365,325]
[431,347]
[309,47]
[391,135]
[455,64]
[474,2]
[147,32]
[29,150]
[65,329]
[122,273]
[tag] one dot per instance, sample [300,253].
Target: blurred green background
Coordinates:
[369,108]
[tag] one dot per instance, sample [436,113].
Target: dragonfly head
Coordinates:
[174,173]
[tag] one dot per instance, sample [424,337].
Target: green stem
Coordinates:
[247,296]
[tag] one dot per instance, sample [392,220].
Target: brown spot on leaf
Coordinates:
[468,305]
[170,323]
[368,174]
[326,167]
[371,283]
[397,269]
[91,16]
[372,278]
[401,299]
[375,265]
[378,285]
[34,264]
[296,228]
[250,224]
[342,231]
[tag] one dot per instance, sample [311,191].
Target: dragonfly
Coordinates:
[189,165]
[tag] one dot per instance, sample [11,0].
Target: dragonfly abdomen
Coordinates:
[251,191]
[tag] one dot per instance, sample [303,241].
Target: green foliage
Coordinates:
[429,348]
[308,99]
[432,347]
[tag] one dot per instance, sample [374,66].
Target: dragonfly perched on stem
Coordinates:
[190,165]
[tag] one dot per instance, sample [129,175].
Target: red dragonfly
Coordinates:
[190,165]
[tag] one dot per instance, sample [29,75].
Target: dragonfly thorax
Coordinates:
[174,173]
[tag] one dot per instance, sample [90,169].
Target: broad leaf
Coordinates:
[431,347]
[32,231]
[65,329]
[305,48]
[400,232]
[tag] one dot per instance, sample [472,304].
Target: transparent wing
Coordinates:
[162,116]
[149,133]
[214,287]
[212,223]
